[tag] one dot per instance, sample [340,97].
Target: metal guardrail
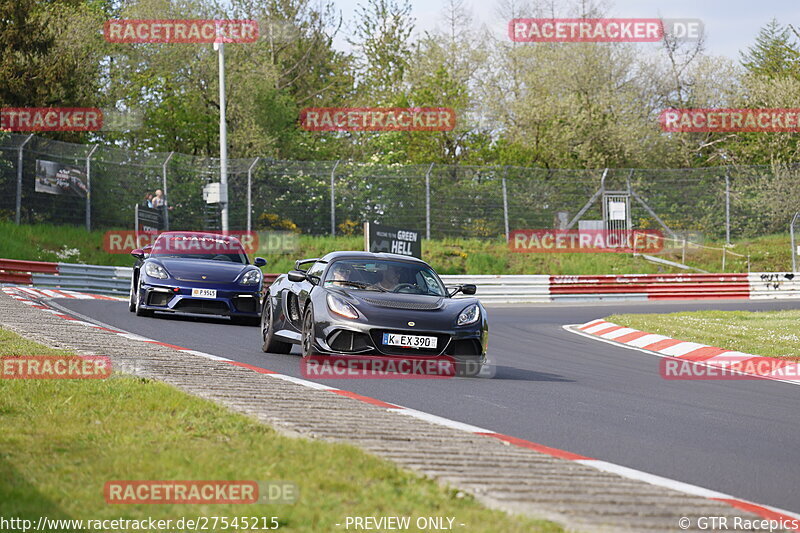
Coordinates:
[492,289]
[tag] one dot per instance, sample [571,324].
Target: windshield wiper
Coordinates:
[357,284]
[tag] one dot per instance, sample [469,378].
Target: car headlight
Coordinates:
[251,277]
[340,307]
[469,315]
[155,271]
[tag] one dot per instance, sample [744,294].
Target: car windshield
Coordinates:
[384,276]
[208,247]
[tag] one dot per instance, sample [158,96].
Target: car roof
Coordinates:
[332,256]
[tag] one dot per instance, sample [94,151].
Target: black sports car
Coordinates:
[372,303]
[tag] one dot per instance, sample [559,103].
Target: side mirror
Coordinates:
[296,276]
[260,262]
[468,289]
[138,253]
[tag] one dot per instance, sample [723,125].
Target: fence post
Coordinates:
[164,188]
[250,194]
[428,202]
[723,258]
[505,203]
[89,187]
[18,211]
[333,199]
[727,207]
[794,247]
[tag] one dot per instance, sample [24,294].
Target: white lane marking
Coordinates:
[682,348]
[300,381]
[440,421]
[652,479]
[207,355]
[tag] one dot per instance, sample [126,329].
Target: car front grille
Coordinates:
[189,305]
[405,304]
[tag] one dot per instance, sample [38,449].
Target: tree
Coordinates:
[774,54]
[382,42]
[51,55]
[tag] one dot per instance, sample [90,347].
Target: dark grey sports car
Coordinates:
[372,303]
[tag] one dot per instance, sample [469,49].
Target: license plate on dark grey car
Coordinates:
[409,341]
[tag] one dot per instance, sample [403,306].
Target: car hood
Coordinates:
[196,269]
[393,300]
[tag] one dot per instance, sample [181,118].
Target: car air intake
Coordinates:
[416,305]
[159,298]
[245,305]
[349,341]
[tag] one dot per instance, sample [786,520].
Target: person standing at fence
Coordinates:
[159,200]
[148,200]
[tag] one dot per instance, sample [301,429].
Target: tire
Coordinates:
[139,310]
[307,338]
[132,298]
[269,343]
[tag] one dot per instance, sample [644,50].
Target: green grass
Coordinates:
[72,244]
[766,333]
[61,440]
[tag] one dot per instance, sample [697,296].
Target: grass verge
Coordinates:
[61,440]
[766,333]
[72,244]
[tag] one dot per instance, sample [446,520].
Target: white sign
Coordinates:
[616,211]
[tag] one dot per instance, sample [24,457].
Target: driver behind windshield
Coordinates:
[391,278]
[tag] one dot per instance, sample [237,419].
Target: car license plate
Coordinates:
[204,293]
[409,341]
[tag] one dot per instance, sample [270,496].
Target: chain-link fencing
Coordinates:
[46,181]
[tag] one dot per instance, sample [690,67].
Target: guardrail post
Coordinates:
[18,209]
[333,199]
[250,194]
[89,187]
[505,203]
[164,188]
[428,202]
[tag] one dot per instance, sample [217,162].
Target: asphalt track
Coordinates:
[563,390]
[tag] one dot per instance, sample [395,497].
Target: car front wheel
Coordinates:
[307,337]
[269,343]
